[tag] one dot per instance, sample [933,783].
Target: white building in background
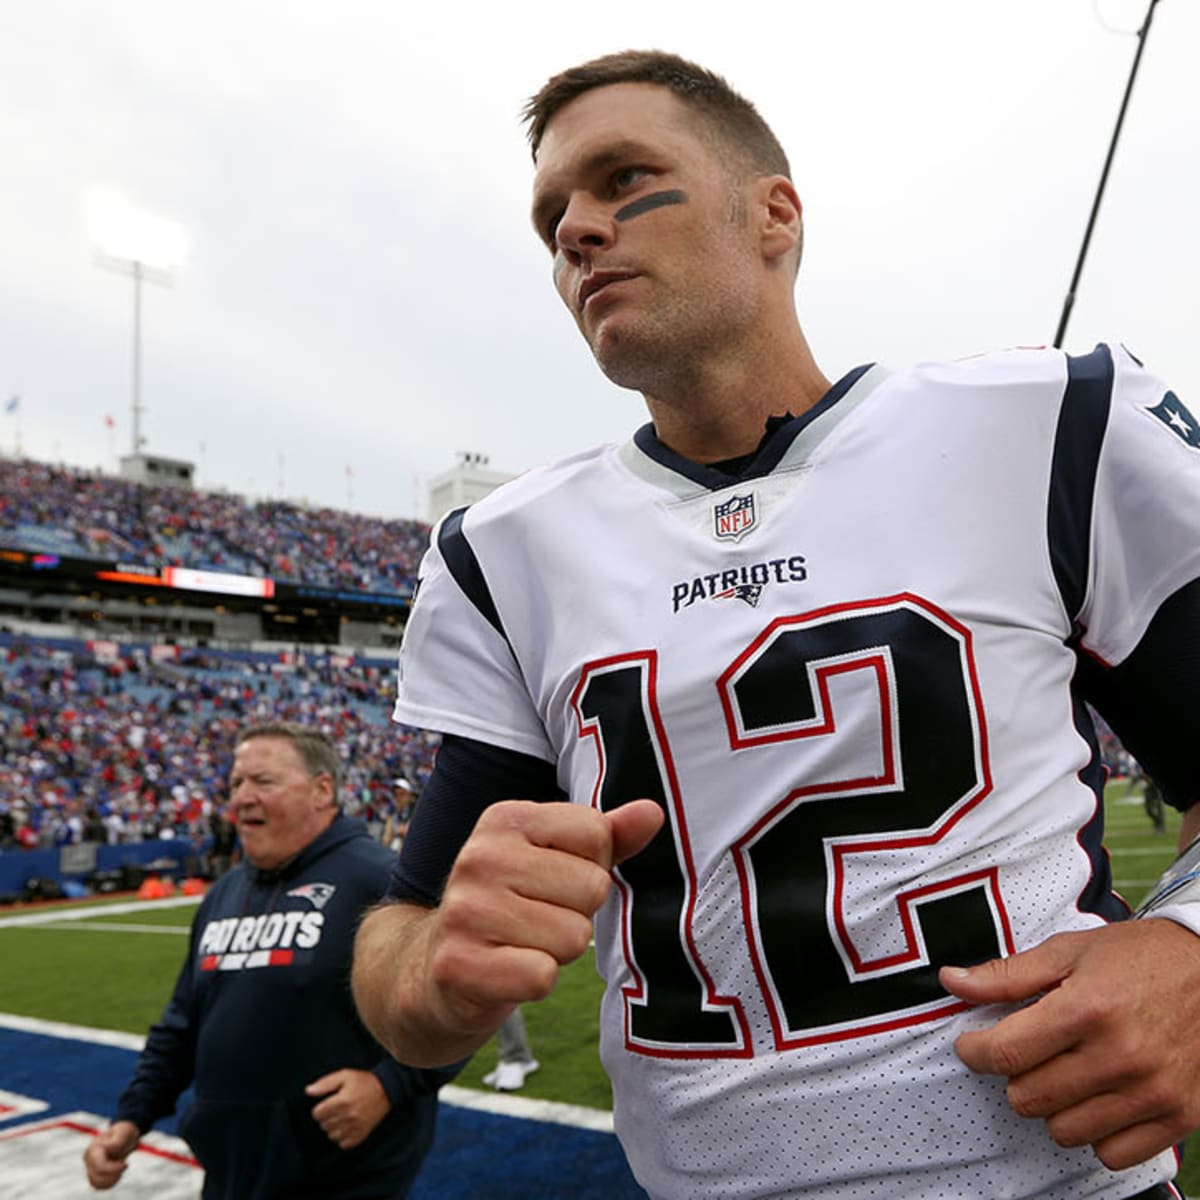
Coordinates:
[155,469]
[470,479]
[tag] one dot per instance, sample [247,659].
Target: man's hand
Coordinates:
[354,1104]
[106,1154]
[434,984]
[1108,1053]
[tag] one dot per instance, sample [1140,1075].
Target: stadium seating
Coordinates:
[135,748]
[61,510]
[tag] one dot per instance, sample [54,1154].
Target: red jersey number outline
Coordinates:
[850,631]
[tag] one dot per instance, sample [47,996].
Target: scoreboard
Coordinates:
[290,610]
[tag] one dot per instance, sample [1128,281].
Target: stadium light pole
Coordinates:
[139,244]
[1069,301]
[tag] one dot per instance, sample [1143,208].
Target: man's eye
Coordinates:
[552,231]
[627,177]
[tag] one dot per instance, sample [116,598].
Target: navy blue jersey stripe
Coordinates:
[465,569]
[1150,699]
[1082,421]
[1098,895]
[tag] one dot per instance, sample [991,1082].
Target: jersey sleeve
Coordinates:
[1145,533]
[467,777]
[458,673]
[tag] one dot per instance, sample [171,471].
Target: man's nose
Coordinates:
[586,226]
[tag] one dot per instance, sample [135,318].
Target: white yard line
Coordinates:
[51,916]
[117,927]
[78,1033]
[508,1105]
[502,1103]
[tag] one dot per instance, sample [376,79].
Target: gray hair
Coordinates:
[316,749]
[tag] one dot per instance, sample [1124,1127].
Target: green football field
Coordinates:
[115,971]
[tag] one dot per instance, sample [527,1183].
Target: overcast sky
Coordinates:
[363,296]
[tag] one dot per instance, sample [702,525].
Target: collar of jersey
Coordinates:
[790,444]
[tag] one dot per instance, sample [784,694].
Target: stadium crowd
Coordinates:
[134,749]
[69,511]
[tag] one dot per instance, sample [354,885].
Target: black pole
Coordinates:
[1069,302]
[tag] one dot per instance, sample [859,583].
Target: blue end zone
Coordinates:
[489,1157]
[482,1155]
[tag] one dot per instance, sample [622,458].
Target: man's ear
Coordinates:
[783,217]
[324,783]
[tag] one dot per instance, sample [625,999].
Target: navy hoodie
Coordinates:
[262,1007]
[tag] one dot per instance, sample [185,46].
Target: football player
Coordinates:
[811,660]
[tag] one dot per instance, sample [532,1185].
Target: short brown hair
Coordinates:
[316,749]
[729,118]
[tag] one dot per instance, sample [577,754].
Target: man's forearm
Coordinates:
[396,997]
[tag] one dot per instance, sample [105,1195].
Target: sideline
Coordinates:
[497,1103]
[76,912]
[118,927]
[77,1033]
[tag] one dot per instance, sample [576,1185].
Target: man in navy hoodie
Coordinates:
[293,1099]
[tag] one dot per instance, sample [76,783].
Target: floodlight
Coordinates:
[133,235]
[140,244]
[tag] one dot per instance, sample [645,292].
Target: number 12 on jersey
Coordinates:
[926,769]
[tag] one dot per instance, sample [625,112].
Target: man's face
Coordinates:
[277,806]
[653,255]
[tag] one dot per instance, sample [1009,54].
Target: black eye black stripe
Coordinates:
[643,204]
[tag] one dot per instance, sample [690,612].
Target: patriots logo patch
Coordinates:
[735,517]
[749,592]
[317,894]
[1174,414]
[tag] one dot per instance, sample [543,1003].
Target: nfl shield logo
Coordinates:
[734,517]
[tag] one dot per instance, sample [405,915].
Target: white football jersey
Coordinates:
[847,679]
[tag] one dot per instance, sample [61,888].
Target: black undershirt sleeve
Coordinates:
[468,775]
[1151,700]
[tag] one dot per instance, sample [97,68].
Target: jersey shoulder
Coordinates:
[541,485]
[543,503]
[982,374]
[1023,366]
